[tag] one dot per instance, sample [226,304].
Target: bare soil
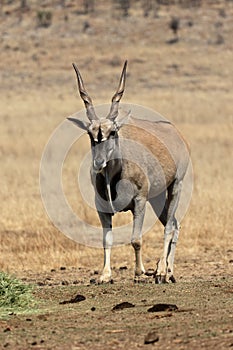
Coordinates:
[200,315]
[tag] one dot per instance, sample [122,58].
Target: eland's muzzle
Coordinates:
[99,164]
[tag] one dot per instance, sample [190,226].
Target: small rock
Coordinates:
[151,337]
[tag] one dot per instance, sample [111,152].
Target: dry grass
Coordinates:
[189,82]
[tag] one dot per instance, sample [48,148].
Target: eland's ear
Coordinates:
[80,123]
[120,121]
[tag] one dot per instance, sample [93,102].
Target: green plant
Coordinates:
[14,294]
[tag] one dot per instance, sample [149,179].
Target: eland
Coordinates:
[135,161]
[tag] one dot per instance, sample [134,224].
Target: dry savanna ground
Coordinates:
[190,83]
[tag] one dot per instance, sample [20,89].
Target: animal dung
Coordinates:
[93,281]
[123,305]
[163,307]
[76,299]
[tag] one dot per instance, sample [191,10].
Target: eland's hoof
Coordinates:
[160,279]
[105,279]
[172,279]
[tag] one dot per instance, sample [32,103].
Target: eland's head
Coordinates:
[103,132]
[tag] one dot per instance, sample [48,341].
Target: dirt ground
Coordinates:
[189,81]
[202,318]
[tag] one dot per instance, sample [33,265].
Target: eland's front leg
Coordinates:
[136,241]
[106,221]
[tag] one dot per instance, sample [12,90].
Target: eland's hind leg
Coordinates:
[159,205]
[164,271]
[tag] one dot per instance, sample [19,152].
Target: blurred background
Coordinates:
[180,57]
